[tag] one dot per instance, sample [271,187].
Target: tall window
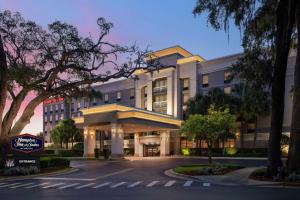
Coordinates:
[78,105]
[50,118]
[132,93]
[160,85]
[205,80]
[56,107]
[144,97]
[106,98]
[62,106]
[185,84]
[46,107]
[51,108]
[227,76]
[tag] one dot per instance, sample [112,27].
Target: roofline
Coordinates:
[185,52]
[223,57]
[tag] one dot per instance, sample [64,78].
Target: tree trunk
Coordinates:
[285,17]
[13,111]
[27,114]
[294,146]
[209,152]
[3,81]
[255,133]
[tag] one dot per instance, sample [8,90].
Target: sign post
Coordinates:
[26,149]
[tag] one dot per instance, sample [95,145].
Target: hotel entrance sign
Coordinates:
[27,144]
[26,149]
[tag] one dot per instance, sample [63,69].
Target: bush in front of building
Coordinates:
[128,151]
[70,153]
[232,152]
[54,162]
[106,153]
[14,171]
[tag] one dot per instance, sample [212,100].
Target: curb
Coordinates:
[62,172]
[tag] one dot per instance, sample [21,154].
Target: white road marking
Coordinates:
[118,184]
[206,184]
[33,186]
[84,186]
[114,173]
[8,185]
[65,179]
[3,183]
[170,183]
[68,186]
[152,184]
[51,186]
[135,184]
[102,185]
[22,185]
[188,183]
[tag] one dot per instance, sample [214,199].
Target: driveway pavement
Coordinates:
[138,179]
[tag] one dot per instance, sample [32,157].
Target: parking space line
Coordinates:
[68,186]
[22,185]
[51,186]
[135,184]
[152,184]
[118,184]
[33,186]
[188,183]
[102,185]
[10,184]
[170,183]
[84,186]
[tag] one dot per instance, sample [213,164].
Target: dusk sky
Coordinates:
[157,24]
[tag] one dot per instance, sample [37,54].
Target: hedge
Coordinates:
[53,162]
[233,152]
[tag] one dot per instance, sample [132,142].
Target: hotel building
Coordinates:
[144,115]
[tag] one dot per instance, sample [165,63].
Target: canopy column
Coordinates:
[117,140]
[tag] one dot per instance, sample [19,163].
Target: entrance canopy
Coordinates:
[132,119]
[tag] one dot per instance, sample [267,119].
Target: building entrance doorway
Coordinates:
[151,150]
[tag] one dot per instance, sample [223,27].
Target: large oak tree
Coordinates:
[53,62]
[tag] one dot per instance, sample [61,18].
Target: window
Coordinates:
[186,97]
[160,85]
[227,76]
[119,95]
[51,108]
[94,101]
[205,80]
[78,105]
[62,106]
[160,98]
[62,116]
[227,90]
[86,103]
[50,118]
[56,117]
[45,119]
[46,108]
[106,98]
[145,91]
[185,84]
[132,93]
[72,106]
[56,107]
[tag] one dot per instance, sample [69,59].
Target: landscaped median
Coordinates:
[206,169]
[262,174]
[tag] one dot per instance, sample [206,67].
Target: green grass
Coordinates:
[194,168]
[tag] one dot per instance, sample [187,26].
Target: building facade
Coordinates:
[156,103]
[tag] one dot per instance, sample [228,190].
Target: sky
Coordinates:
[156,24]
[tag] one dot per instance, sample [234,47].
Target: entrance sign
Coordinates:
[27,144]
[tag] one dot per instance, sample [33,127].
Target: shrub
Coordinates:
[231,151]
[129,152]
[78,146]
[97,152]
[185,151]
[21,171]
[54,162]
[106,153]
[49,151]
[70,153]
[4,150]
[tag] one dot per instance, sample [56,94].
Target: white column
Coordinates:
[149,95]
[170,94]
[137,144]
[89,142]
[164,143]
[117,141]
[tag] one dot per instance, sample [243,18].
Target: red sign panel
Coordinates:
[55,100]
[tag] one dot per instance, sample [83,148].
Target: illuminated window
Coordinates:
[56,117]
[186,98]
[119,95]
[50,118]
[227,76]
[78,105]
[51,108]
[62,106]
[227,90]
[45,119]
[56,107]
[62,116]
[46,108]
[205,80]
